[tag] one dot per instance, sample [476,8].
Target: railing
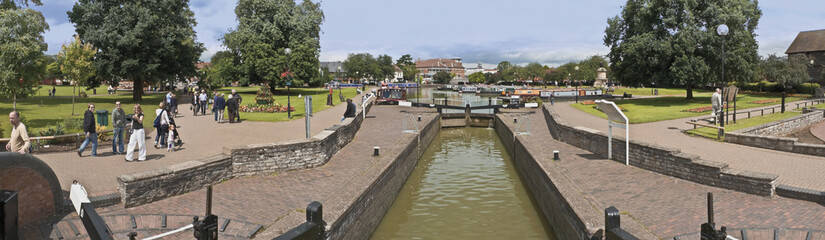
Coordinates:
[414,123]
[518,126]
[36,140]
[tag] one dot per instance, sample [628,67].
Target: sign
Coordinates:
[615,118]
[546,93]
[730,93]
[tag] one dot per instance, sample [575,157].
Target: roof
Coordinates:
[808,41]
[201,65]
[333,66]
[438,63]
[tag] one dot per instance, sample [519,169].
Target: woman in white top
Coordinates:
[164,125]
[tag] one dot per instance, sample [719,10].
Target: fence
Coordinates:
[36,141]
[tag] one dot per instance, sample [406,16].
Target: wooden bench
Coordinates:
[720,130]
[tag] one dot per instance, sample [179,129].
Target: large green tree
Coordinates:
[359,65]
[22,62]
[266,28]
[477,77]
[146,41]
[76,62]
[787,71]
[442,77]
[405,62]
[674,42]
[223,70]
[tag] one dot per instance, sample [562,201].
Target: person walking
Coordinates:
[220,105]
[118,123]
[91,133]
[203,101]
[215,97]
[173,108]
[239,100]
[20,141]
[716,104]
[232,106]
[163,125]
[138,136]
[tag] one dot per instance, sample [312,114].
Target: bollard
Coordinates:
[419,117]
[708,231]
[132,235]
[515,120]
[8,215]
[315,212]
[612,218]
[556,155]
[375,151]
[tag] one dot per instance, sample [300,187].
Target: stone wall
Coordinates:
[769,135]
[153,185]
[664,160]
[563,206]
[785,127]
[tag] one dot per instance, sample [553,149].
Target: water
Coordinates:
[464,187]
[432,95]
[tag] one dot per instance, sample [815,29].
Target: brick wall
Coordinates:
[34,198]
[570,214]
[770,135]
[664,160]
[153,185]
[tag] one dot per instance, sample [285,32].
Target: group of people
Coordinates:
[120,123]
[221,103]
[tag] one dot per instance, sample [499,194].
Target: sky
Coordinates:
[551,32]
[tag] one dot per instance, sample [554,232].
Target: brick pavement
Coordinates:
[201,136]
[665,205]
[797,170]
[266,199]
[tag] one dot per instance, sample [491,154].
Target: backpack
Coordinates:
[156,124]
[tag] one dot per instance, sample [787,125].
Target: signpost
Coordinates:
[308,110]
[615,118]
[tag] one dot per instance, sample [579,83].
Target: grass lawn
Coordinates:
[43,112]
[319,101]
[667,108]
[662,91]
[742,123]
[66,91]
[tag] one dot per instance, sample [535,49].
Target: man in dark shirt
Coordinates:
[237,98]
[350,113]
[89,128]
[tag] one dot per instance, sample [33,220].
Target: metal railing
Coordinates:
[518,126]
[414,123]
[36,141]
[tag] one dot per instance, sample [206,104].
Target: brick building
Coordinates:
[430,67]
[811,44]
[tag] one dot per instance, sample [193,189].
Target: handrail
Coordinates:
[520,121]
[409,116]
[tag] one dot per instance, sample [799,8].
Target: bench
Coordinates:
[626,95]
[720,130]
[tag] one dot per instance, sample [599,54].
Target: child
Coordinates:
[171,140]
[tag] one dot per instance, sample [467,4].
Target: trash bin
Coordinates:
[102,117]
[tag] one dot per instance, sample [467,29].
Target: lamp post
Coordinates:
[813,90]
[722,30]
[577,85]
[340,82]
[288,82]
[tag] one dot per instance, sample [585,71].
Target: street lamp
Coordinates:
[577,85]
[288,82]
[722,30]
[813,90]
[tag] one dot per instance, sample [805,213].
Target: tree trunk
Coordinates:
[689,90]
[137,90]
[272,89]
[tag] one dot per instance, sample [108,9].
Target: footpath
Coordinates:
[660,206]
[798,170]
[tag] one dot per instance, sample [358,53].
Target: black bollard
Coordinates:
[556,155]
[375,151]
[419,118]
[132,235]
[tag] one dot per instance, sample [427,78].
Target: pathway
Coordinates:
[797,170]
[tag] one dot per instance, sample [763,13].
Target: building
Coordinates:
[336,69]
[430,67]
[811,44]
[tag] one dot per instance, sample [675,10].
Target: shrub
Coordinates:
[806,88]
[73,125]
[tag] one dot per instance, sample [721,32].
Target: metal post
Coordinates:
[208,200]
[710,208]
[307,111]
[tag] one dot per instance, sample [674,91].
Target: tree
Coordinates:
[21,49]
[266,28]
[359,65]
[76,62]
[674,42]
[533,71]
[787,71]
[146,41]
[477,77]
[405,62]
[442,78]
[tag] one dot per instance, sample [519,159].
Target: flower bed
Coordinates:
[766,101]
[701,109]
[265,108]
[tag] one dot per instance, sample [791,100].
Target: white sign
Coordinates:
[531,105]
[615,118]
[404,104]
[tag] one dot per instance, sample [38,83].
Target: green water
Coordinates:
[464,187]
